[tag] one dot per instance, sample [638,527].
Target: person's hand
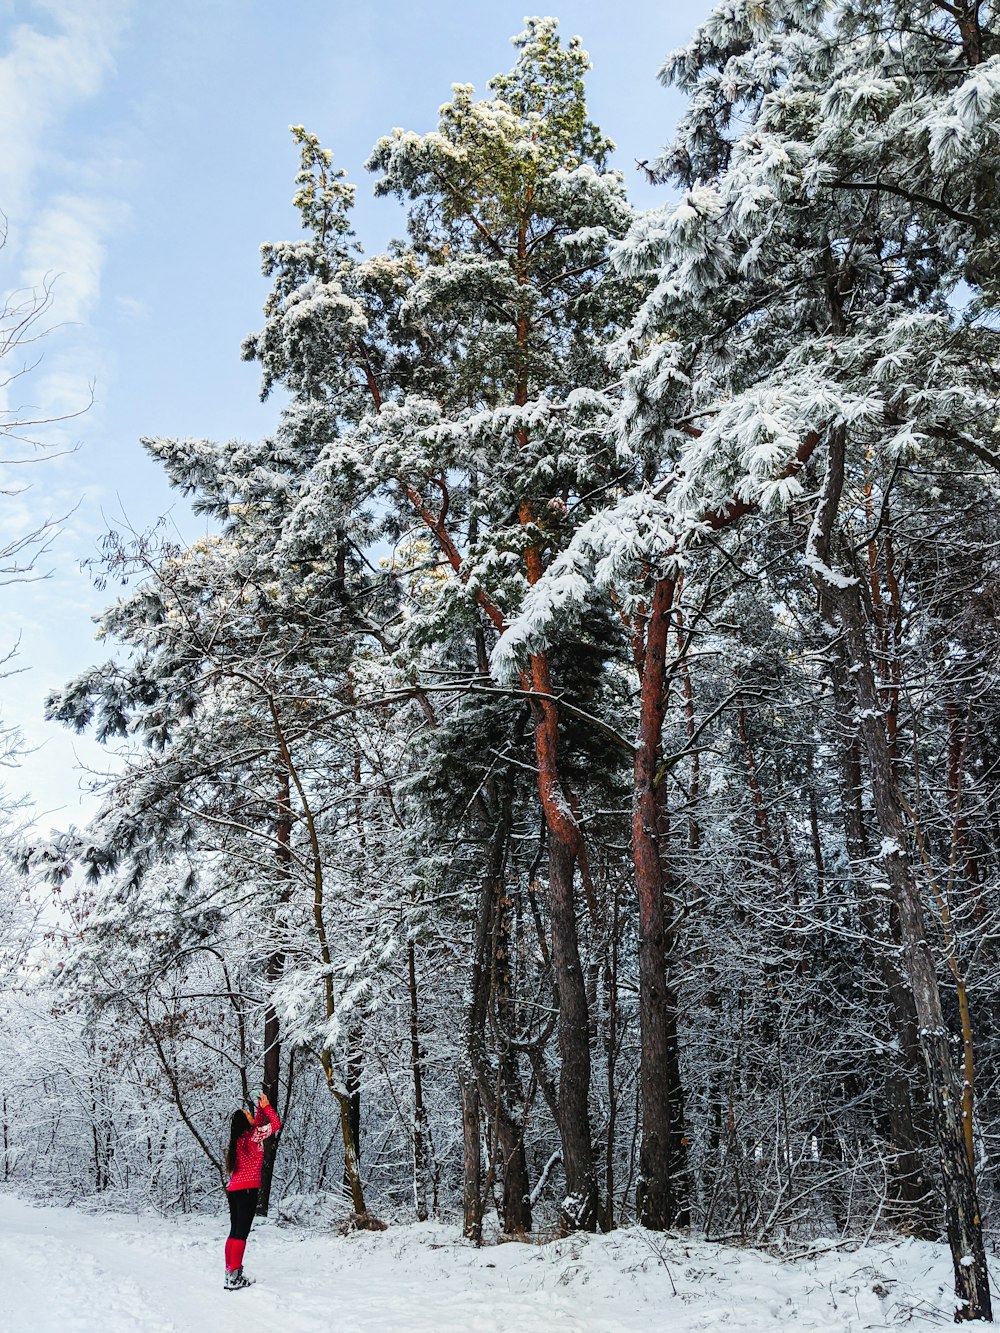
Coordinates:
[262,1100]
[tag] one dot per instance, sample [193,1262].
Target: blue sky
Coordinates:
[144,156]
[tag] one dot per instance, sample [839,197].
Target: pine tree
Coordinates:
[485,415]
[808,272]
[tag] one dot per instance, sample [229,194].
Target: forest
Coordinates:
[566,778]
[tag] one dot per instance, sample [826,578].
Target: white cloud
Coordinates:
[56,186]
[66,243]
[44,74]
[53,63]
[130,309]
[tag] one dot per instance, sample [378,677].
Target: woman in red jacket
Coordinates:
[244,1158]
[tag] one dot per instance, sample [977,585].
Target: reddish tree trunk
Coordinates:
[659,1088]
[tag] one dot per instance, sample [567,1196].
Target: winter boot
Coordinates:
[237,1279]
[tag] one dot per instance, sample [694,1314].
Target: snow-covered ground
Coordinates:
[62,1271]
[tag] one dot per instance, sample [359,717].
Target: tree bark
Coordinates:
[843,608]
[910,1185]
[509,1132]
[269,1085]
[657,1204]
[353,1069]
[472,1161]
[579,1210]
[420,1144]
[352,1170]
[962,1216]
[275,967]
[495,1087]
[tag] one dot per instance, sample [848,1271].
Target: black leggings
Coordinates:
[242,1206]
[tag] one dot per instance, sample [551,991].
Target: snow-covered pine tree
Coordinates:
[821,286]
[512,211]
[309,698]
[485,420]
[240,697]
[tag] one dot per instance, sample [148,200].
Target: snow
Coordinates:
[66,1271]
[827,575]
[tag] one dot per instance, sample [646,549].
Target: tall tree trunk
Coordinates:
[657,1204]
[579,1210]
[495,1089]
[420,1128]
[611,1046]
[843,607]
[352,1165]
[509,1132]
[910,1185]
[275,967]
[566,850]
[470,1074]
[270,1083]
[353,1069]
[498,1088]
[958,1177]
[352,1169]
[354,1057]
[579,1206]
[472,1160]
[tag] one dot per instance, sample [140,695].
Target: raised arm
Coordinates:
[267,1121]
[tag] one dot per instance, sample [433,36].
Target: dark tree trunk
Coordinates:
[565,850]
[514,1165]
[962,1218]
[611,1057]
[472,1162]
[579,1207]
[843,608]
[912,1192]
[420,1128]
[270,1085]
[496,1088]
[353,1069]
[509,1133]
[471,1072]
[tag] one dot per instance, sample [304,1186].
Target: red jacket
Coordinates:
[250,1150]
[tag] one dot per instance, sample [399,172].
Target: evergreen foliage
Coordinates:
[577,738]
